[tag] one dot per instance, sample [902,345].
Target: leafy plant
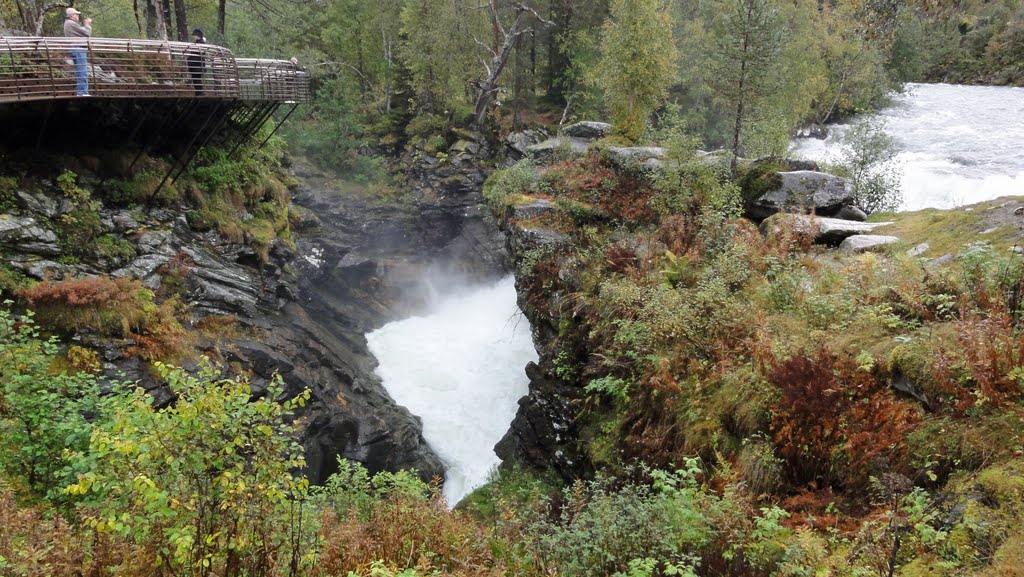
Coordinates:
[205,486]
[43,411]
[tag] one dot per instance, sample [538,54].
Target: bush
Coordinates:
[204,486]
[43,411]
[118,307]
[869,161]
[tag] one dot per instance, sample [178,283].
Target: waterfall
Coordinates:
[460,369]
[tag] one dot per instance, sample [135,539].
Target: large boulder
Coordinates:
[588,129]
[546,150]
[797,191]
[520,142]
[24,234]
[633,155]
[866,242]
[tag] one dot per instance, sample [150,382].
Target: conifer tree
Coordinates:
[748,38]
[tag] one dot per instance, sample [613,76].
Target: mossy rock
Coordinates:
[761,179]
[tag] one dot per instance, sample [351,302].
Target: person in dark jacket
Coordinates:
[194,61]
[73,29]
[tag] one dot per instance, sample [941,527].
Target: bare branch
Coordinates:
[488,48]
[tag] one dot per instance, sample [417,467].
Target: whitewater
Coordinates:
[958,144]
[460,368]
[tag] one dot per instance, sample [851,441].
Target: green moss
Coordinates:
[759,180]
[112,247]
[12,279]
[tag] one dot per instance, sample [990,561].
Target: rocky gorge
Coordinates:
[295,308]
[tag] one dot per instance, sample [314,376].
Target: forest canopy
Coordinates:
[393,70]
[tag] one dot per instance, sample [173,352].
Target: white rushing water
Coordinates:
[460,369]
[958,144]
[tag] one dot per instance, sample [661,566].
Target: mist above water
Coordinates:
[958,144]
[460,368]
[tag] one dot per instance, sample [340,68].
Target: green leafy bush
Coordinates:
[205,486]
[43,410]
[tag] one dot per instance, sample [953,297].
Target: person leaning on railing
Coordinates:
[75,30]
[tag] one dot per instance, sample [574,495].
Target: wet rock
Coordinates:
[520,142]
[543,435]
[534,209]
[919,249]
[467,146]
[526,239]
[24,234]
[39,203]
[629,155]
[866,242]
[847,212]
[549,148]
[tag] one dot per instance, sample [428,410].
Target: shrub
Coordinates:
[601,529]
[8,200]
[397,521]
[869,161]
[42,411]
[119,307]
[204,486]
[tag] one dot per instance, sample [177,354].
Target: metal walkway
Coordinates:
[42,68]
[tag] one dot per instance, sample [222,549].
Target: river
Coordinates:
[460,368]
[958,144]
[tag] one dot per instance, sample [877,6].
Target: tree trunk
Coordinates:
[165,13]
[221,16]
[487,88]
[156,26]
[181,20]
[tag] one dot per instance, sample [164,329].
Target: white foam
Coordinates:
[460,369]
[959,144]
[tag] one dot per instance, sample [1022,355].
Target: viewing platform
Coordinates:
[41,68]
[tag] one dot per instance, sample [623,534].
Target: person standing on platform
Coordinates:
[73,29]
[194,61]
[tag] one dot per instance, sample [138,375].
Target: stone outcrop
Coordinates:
[829,231]
[803,191]
[587,129]
[866,242]
[549,148]
[304,309]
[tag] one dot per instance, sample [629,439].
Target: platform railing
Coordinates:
[273,80]
[40,68]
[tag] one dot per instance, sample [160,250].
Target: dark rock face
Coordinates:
[543,434]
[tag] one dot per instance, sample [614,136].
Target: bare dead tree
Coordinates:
[505,42]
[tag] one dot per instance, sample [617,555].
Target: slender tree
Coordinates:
[748,39]
[638,62]
[505,42]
